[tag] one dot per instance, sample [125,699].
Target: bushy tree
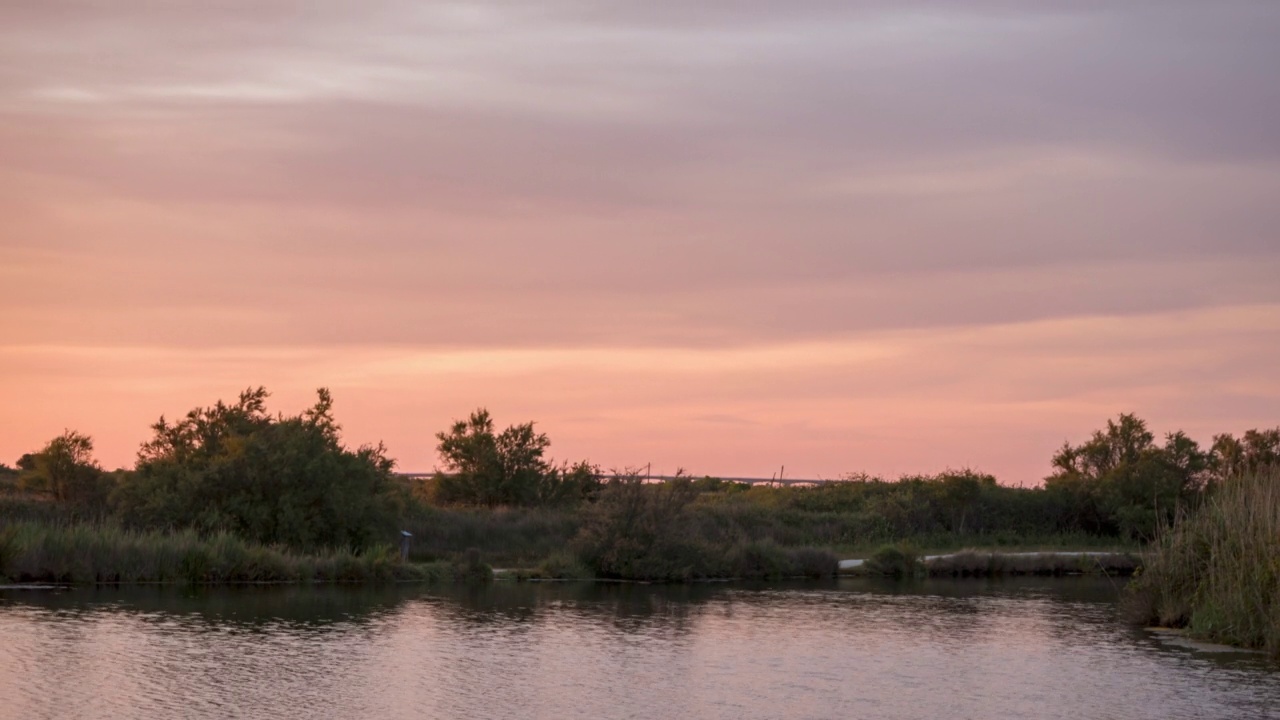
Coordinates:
[571,484]
[1121,482]
[507,468]
[639,530]
[272,479]
[66,470]
[1256,450]
[959,495]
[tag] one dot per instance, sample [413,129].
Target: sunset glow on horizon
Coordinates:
[883,237]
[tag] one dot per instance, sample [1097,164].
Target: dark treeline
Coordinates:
[232,468]
[289,481]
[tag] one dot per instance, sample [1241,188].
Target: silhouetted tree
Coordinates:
[66,470]
[272,479]
[1121,481]
[508,468]
[1257,449]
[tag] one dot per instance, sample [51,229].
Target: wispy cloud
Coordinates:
[858,228]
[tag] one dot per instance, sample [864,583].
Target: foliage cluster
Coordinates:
[1121,482]
[655,531]
[65,472]
[484,468]
[267,479]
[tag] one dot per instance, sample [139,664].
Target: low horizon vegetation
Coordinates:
[235,470]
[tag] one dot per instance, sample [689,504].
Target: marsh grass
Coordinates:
[1216,571]
[88,553]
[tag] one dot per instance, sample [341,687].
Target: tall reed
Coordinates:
[1216,571]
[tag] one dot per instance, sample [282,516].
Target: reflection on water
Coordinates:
[948,649]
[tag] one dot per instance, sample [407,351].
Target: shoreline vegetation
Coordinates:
[234,494]
[84,553]
[1215,571]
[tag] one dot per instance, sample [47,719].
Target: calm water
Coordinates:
[1013,649]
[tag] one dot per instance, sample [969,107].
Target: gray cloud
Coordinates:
[644,172]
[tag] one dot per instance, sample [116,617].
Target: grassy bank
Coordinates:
[988,564]
[762,560]
[943,544]
[903,560]
[1216,571]
[632,532]
[97,553]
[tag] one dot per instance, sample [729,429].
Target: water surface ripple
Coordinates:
[848,649]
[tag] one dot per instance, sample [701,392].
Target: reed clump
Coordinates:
[89,553]
[1216,571]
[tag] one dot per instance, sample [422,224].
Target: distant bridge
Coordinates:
[775,481]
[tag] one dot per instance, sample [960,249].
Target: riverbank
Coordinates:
[901,561]
[891,561]
[63,552]
[32,552]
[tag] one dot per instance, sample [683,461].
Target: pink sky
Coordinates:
[875,236]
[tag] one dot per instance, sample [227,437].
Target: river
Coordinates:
[842,649]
